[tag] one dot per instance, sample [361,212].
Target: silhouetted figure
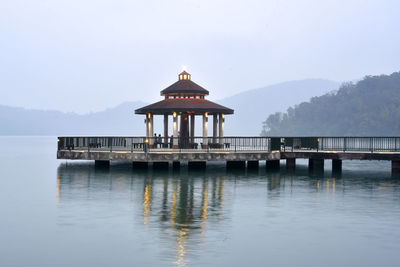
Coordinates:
[159,140]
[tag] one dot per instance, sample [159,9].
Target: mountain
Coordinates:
[368,107]
[254,106]
[119,120]
[251,108]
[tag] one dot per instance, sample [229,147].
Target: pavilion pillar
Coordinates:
[215,128]
[192,121]
[165,130]
[221,129]
[146,123]
[205,130]
[151,131]
[175,128]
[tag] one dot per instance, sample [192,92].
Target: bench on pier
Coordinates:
[217,145]
[138,145]
[94,145]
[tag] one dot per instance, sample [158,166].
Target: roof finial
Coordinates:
[184,75]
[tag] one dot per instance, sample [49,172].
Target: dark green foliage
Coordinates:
[369,107]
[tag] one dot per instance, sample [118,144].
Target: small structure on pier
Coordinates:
[185,99]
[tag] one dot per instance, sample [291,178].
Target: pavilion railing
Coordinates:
[230,143]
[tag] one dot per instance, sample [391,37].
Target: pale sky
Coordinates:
[88,55]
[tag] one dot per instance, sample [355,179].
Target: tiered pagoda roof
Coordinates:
[184,96]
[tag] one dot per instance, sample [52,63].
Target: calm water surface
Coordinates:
[59,213]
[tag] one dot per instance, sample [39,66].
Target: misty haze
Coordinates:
[200,133]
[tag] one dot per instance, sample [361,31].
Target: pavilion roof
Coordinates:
[184,87]
[189,105]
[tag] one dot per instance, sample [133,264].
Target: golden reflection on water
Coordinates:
[146,203]
[204,203]
[181,246]
[58,188]
[328,186]
[173,204]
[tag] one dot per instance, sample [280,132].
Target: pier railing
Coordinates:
[233,143]
[105,143]
[339,144]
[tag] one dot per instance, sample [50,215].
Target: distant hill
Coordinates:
[369,107]
[115,121]
[254,106]
[251,108]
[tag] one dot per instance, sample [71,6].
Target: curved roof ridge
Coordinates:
[184,87]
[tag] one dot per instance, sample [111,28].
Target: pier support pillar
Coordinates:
[291,163]
[176,164]
[336,165]
[316,164]
[140,165]
[161,165]
[396,166]
[235,164]
[252,164]
[273,164]
[197,164]
[102,163]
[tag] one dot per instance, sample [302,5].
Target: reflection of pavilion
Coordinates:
[180,207]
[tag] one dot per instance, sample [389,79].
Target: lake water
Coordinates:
[63,213]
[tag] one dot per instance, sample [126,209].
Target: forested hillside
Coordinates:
[368,107]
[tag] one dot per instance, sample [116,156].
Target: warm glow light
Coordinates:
[206,114]
[58,139]
[174,114]
[149,115]
[146,140]
[146,203]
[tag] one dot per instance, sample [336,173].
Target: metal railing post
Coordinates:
[235,142]
[371,144]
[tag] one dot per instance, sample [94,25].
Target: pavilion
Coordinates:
[185,99]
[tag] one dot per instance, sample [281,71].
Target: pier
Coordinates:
[236,152]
